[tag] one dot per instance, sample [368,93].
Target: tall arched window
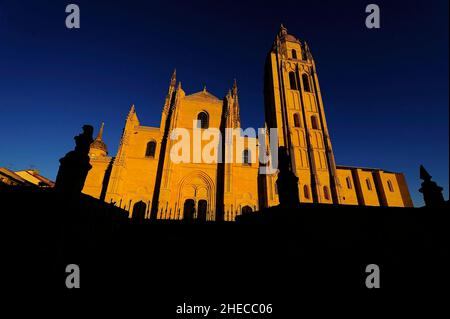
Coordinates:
[390,186]
[151,149]
[292,82]
[314,123]
[203,119]
[369,185]
[246,157]
[349,182]
[326,193]
[294,54]
[296,120]
[305,80]
[306,191]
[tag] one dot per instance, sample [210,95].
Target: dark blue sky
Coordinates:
[385,91]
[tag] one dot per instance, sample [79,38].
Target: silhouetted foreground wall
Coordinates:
[260,257]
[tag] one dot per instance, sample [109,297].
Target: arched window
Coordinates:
[151,149]
[369,185]
[326,193]
[390,186]
[294,54]
[349,182]
[246,157]
[292,82]
[306,191]
[305,80]
[203,119]
[314,123]
[296,120]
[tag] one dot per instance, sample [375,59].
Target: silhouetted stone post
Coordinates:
[74,167]
[432,193]
[287,182]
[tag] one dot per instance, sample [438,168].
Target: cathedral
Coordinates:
[143,179]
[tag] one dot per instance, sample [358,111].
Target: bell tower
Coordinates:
[293,105]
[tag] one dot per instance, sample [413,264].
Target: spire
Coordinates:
[131,113]
[132,116]
[283,30]
[170,94]
[173,79]
[100,133]
[234,87]
[308,54]
[132,110]
[233,107]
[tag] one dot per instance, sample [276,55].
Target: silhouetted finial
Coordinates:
[204,88]
[424,174]
[74,166]
[432,193]
[287,182]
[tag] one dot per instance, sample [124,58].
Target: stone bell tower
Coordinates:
[293,105]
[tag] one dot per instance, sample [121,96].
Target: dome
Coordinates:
[99,145]
[291,38]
